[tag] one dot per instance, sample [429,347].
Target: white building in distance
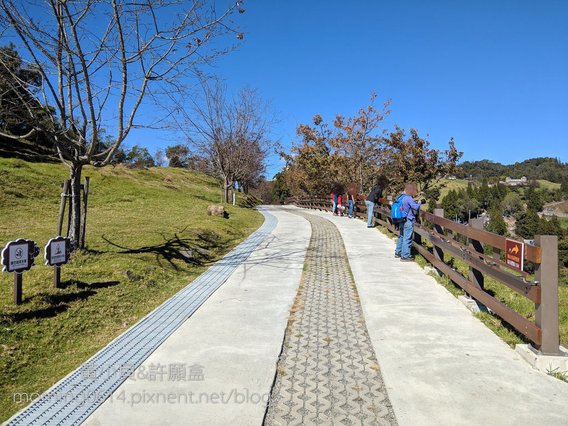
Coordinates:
[515,182]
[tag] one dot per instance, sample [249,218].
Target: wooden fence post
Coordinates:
[546,312]
[18,288]
[56,276]
[475,275]
[438,252]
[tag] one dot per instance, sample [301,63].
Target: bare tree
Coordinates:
[100,59]
[231,133]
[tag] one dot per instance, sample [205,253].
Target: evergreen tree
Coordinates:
[139,158]
[450,204]
[178,156]
[466,206]
[534,199]
[528,224]
[280,189]
[484,194]
[471,190]
[551,227]
[496,223]
[512,204]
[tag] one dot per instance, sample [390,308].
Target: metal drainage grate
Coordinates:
[74,398]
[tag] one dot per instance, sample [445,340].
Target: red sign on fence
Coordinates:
[514,254]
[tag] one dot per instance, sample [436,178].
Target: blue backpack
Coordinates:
[398,214]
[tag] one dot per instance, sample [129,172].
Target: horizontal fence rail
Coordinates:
[437,237]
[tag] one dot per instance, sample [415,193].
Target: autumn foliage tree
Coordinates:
[354,150]
[310,167]
[409,158]
[358,142]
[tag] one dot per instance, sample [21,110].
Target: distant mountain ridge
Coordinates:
[547,168]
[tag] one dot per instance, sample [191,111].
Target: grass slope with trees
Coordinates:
[148,236]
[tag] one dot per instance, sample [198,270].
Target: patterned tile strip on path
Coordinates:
[328,372]
[74,398]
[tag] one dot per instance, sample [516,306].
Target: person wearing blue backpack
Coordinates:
[404,211]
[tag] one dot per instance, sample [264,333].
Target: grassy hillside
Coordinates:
[457,184]
[143,230]
[545,184]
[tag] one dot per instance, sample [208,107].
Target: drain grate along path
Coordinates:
[327,372]
[74,398]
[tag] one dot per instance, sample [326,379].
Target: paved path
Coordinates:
[440,364]
[196,363]
[209,355]
[327,372]
[235,336]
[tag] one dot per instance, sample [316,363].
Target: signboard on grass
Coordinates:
[57,251]
[18,256]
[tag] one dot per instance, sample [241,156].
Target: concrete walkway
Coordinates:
[216,362]
[440,364]
[230,345]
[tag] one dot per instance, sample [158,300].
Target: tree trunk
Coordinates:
[226,186]
[75,202]
[361,188]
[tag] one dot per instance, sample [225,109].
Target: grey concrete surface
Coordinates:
[228,348]
[441,365]
[328,372]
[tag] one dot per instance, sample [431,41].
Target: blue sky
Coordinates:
[491,74]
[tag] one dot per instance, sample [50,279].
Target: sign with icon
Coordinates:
[57,251]
[514,254]
[19,255]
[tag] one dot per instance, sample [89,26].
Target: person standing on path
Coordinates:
[335,191]
[411,209]
[333,201]
[351,191]
[340,208]
[373,198]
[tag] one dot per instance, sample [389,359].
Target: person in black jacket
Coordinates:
[374,196]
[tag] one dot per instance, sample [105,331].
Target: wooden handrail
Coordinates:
[532,253]
[542,292]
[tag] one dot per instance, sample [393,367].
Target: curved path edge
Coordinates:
[75,397]
[234,340]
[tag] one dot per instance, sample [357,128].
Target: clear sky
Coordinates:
[493,74]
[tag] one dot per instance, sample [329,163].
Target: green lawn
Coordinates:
[545,184]
[455,184]
[106,290]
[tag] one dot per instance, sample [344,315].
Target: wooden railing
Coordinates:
[437,238]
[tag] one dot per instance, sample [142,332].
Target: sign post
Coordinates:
[57,253]
[514,254]
[19,256]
